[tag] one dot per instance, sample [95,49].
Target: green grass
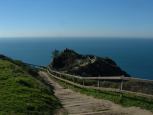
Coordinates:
[22,94]
[126,100]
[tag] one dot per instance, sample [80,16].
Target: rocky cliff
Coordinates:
[72,62]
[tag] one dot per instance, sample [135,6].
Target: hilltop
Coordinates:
[72,62]
[22,91]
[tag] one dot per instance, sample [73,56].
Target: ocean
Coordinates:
[135,56]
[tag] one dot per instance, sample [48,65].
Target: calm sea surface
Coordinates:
[133,55]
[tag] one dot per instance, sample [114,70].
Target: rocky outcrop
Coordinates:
[71,62]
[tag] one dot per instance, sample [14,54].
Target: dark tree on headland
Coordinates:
[55,53]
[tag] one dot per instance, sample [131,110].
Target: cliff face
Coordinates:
[85,65]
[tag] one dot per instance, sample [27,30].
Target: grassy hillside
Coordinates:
[22,93]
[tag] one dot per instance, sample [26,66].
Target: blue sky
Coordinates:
[66,18]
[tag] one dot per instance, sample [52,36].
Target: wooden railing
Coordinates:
[97,79]
[72,79]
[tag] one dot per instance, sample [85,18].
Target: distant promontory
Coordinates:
[71,62]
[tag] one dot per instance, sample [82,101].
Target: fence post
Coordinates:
[121,87]
[83,82]
[73,80]
[98,83]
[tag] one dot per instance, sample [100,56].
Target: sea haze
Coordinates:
[133,55]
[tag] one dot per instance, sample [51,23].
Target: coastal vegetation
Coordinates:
[72,62]
[22,92]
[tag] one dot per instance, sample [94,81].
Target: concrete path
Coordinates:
[79,104]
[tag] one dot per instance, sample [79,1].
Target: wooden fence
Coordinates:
[72,79]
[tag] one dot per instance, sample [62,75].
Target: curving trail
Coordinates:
[79,104]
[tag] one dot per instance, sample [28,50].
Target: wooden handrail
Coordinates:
[103,89]
[92,78]
[122,77]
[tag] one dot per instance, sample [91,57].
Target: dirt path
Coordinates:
[79,104]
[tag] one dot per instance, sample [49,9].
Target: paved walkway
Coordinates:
[79,104]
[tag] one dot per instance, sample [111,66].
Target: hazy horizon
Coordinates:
[39,38]
[76,18]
